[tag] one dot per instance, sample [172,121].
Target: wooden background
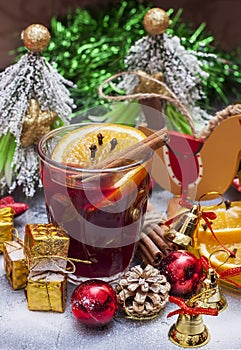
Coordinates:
[222,18]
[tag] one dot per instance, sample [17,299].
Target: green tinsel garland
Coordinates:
[87,48]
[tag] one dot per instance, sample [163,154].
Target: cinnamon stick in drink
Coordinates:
[136,152]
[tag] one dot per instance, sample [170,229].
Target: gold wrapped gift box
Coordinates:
[6,225]
[47,291]
[15,264]
[46,247]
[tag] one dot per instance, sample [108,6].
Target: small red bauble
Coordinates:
[183,271]
[94,303]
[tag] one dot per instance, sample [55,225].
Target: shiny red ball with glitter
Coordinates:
[94,303]
[183,271]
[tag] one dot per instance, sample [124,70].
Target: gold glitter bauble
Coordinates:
[36,37]
[156,21]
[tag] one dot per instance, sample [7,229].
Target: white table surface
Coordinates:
[24,329]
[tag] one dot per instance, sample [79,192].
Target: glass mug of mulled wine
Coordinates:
[100,205]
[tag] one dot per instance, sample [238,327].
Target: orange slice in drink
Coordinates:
[227,228]
[74,149]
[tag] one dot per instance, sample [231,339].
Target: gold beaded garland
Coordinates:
[36,37]
[156,21]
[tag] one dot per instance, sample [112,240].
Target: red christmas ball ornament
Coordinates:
[183,271]
[94,303]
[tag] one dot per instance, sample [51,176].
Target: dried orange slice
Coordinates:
[227,228]
[74,147]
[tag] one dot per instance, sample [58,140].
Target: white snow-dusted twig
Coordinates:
[181,68]
[31,77]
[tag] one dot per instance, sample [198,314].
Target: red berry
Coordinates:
[94,303]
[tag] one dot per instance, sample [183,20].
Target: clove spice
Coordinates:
[93,149]
[100,139]
[228,204]
[113,143]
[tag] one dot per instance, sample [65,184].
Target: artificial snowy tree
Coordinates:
[180,69]
[33,99]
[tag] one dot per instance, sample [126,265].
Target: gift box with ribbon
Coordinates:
[46,247]
[6,225]
[15,264]
[46,291]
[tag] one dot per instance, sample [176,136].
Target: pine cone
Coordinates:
[143,293]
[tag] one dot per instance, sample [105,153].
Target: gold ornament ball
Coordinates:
[36,37]
[156,21]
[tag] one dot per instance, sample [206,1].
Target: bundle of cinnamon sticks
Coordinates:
[153,246]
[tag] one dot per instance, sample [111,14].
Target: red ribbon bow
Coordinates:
[235,271]
[206,216]
[185,309]
[18,208]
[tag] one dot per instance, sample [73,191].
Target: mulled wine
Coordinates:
[101,210]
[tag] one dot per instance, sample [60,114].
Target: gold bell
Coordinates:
[189,331]
[213,297]
[181,231]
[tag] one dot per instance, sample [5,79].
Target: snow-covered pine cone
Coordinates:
[143,292]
